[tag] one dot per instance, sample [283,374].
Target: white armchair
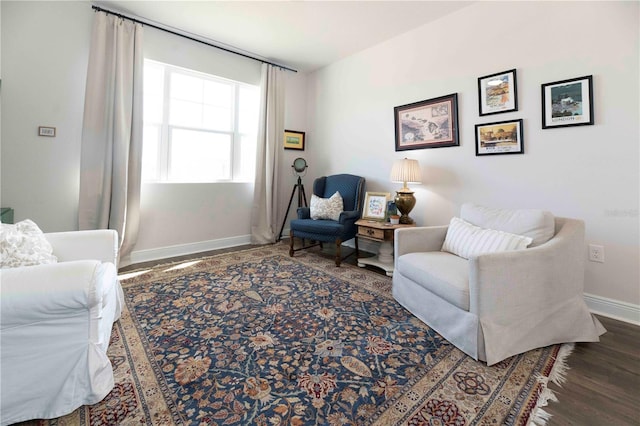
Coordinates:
[55,326]
[496,305]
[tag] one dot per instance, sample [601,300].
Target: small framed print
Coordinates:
[567,103]
[498,93]
[47,131]
[432,123]
[293,140]
[375,205]
[504,137]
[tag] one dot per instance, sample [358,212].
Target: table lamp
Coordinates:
[405,171]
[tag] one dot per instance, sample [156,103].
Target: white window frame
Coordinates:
[163,161]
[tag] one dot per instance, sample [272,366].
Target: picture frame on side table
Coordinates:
[432,123]
[567,103]
[293,139]
[375,206]
[498,93]
[503,137]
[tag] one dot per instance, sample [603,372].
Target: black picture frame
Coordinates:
[293,139]
[498,93]
[432,123]
[499,138]
[568,103]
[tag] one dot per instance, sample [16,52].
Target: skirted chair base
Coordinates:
[499,304]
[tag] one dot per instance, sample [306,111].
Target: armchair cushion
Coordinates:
[323,229]
[326,208]
[24,244]
[466,240]
[443,274]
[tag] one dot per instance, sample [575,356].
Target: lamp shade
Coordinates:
[406,170]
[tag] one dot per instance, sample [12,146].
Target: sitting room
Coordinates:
[282,212]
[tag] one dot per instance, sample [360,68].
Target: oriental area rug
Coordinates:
[256,337]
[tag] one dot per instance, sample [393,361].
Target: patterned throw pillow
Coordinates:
[326,208]
[24,244]
[466,240]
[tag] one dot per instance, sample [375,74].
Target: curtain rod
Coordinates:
[149,24]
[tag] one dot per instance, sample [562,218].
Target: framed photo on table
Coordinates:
[498,93]
[375,205]
[504,137]
[432,123]
[568,103]
[293,140]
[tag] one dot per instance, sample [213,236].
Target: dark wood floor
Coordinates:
[602,386]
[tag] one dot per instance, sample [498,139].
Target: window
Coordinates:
[197,127]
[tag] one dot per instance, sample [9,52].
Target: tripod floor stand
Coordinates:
[301,197]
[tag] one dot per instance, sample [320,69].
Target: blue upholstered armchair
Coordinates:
[351,188]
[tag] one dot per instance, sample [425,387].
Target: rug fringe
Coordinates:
[539,416]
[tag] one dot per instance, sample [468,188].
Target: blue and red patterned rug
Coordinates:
[256,337]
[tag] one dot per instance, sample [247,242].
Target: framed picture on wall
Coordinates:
[567,103]
[432,123]
[503,137]
[498,93]
[375,205]
[293,139]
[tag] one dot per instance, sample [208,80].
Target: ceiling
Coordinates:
[303,35]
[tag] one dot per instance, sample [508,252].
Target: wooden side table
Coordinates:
[383,233]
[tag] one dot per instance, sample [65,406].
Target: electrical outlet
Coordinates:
[596,253]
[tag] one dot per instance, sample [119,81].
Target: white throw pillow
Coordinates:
[326,208]
[466,240]
[534,223]
[24,244]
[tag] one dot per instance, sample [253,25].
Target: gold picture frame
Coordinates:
[375,206]
[294,139]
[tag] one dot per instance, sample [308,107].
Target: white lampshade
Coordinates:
[405,171]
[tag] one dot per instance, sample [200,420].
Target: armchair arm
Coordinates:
[33,295]
[349,216]
[304,213]
[419,239]
[53,325]
[503,285]
[99,244]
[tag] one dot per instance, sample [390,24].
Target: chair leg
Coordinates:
[357,249]
[338,254]
[291,243]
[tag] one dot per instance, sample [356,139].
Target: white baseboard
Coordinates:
[611,308]
[141,256]
[616,309]
[599,305]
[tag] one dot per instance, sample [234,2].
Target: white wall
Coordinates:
[185,218]
[587,172]
[177,218]
[590,172]
[45,46]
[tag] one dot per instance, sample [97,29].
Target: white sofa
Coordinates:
[496,305]
[55,326]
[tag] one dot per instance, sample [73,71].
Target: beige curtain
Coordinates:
[264,221]
[111,154]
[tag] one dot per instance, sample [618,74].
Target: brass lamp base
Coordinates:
[404,202]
